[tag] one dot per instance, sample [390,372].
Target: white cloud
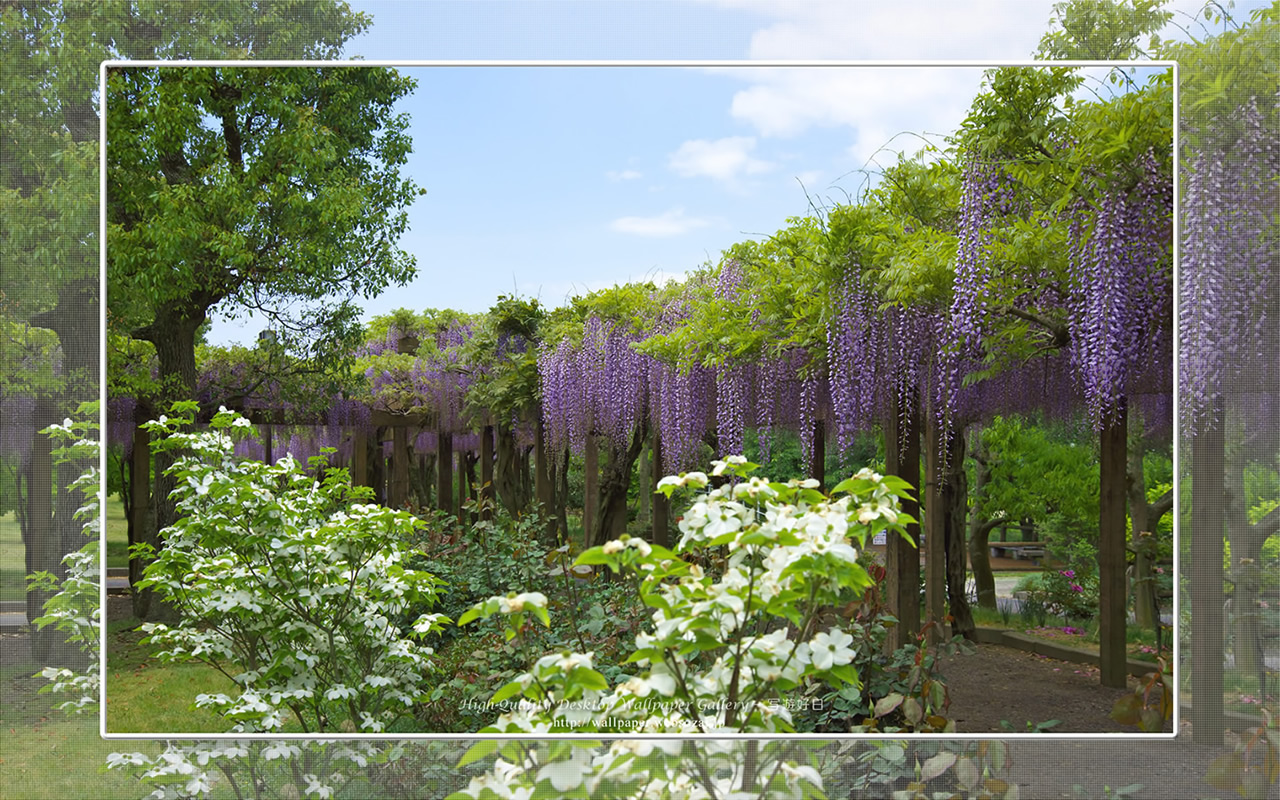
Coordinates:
[906,30]
[722,159]
[669,223]
[623,175]
[809,178]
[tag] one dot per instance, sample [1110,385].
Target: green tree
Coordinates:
[1022,471]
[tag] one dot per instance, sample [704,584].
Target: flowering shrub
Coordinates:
[723,650]
[1070,594]
[75,609]
[289,586]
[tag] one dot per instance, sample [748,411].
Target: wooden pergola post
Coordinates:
[359,457]
[541,470]
[818,454]
[661,505]
[486,472]
[267,443]
[591,484]
[902,557]
[1208,470]
[1113,659]
[399,489]
[935,520]
[444,471]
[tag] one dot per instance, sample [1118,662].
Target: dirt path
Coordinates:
[1002,683]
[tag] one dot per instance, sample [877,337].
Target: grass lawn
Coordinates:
[146,695]
[117,533]
[1141,641]
[13,565]
[12,559]
[49,754]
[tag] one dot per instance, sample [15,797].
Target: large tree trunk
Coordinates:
[174,335]
[1144,518]
[507,473]
[54,531]
[1246,554]
[615,480]
[980,531]
[956,502]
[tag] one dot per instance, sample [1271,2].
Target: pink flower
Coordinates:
[1068,573]
[1075,587]
[1159,570]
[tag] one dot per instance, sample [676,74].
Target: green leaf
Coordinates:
[1127,710]
[510,690]
[595,555]
[1225,772]
[479,750]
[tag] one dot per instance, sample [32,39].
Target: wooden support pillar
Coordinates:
[1208,478]
[486,472]
[591,486]
[935,520]
[139,495]
[818,454]
[359,458]
[267,445]
[661,505]
[1113,659]
[902,557]
[399,490]
[646,497]
[541,470]
[463,487]
[444,471]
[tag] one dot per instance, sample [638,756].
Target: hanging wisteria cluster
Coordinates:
[599,386]
[1122,304]
[855,351]
[1229,293]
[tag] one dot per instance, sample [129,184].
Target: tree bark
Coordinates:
[615,480]
[980,531]
[1246,566]
[507,471]
[1143,584]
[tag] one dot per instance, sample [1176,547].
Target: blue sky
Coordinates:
[552,181]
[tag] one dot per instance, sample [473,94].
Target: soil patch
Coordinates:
[999,683]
